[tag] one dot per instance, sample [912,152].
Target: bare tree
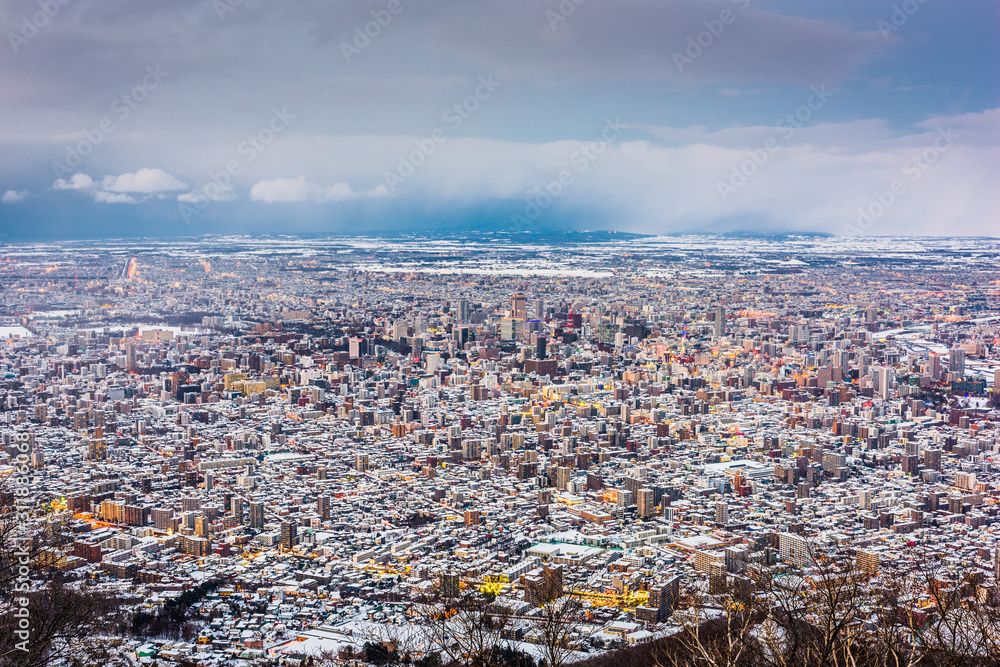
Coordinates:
[62,621]
[561,628]
[403,643]
[65,625]
[468,628]
[960,625]
[715,630]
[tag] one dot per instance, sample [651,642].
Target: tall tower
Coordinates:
[256,515]
[289,535]
[518,307]
[884,382]
[956,361]
[130,361]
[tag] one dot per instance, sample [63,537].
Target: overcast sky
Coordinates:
[147,117]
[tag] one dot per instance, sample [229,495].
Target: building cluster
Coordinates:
[326,442]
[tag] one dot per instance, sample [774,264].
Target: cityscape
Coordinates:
[506,333]
[270,450]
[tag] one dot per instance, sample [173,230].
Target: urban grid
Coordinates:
[365,451]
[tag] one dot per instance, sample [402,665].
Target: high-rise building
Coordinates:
[704,558]
[720,321]
[934,369]
[256,515]
[450,584]
[932,459]
[195,546]
[722,513]
[868,561]
[664,598]
[508,328]
[472,450]
[97,450]
[518,307]
[400,330]
[323,507]
[463,310]
[716,578]
[885,382]
[794,549]
[289,535]
[236,508]
[646,507]
[956,361]
[736,559]
[965,480]
[544,584]
[130,360]
[161,519]
[135,515]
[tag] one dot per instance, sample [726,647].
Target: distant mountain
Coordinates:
[774,236]
[535,237]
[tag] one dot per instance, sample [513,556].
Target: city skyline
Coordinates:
[244,450]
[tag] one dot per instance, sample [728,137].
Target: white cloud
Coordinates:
[144,181]
[301,190]
[339,192]
[207,193]
[379,192]
[14,196]
[76,182]
[284,190]
[102,197]
[114,189]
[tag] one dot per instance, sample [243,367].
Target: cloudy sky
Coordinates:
[146,117]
